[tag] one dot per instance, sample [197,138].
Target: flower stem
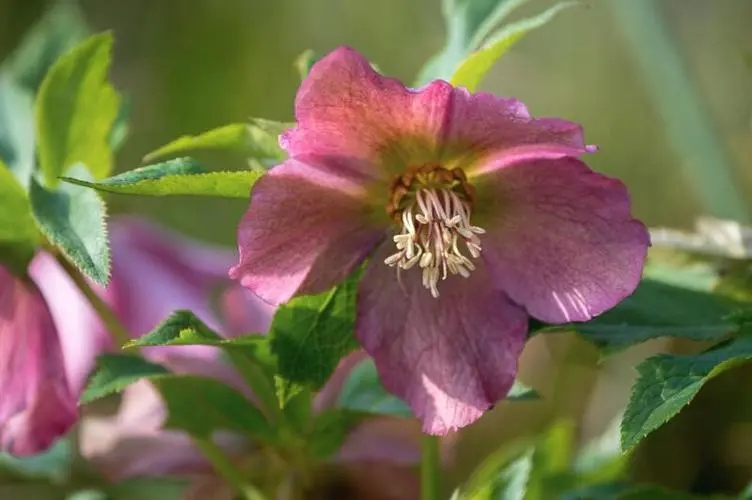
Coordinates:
[117,331]
[227,469]
[429,467]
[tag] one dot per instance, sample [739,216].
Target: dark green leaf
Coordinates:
[309,335]
[468,23]
[182,176]
[75,110]
[73,219]
[250,354]
[18,233]
[257,139]
[473,69]
[625,491]
[147,488]
[30,491]
[670,302]
[330,429]
[58,31]
[52,464]
[16,128]
[200,406]
[115,372]
[666,383]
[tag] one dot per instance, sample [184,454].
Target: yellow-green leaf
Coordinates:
[75,110]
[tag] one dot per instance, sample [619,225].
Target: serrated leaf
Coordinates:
[201,406]
[468,23]
[73,219]
[58,31]
[17,141]
[115,372]
[310,334]
[660,309]
[182,176]
[75,110]
[473,69]
[257,139]
[666,383]
[249,354]
[18,234]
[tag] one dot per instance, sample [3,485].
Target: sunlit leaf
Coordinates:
[75,110]
[18,233]
[182,176]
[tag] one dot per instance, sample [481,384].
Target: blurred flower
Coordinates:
[485,212]
[37,404]
[380,452]
[50,335]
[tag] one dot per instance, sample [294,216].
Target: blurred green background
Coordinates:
[191,65]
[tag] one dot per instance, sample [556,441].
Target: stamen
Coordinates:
[435,222]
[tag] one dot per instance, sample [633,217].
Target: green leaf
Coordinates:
[53,464]
[200,406]
[473,69]
[521,392]
[304,62]
[330,429]
[310,334]
[17,141]
[58,31]
[468,23]
[18,234]
[362,391]
[249,354]
[666,383]
[257,139]
[75,110]
[73,219]
[182,176]
[669,302]
[625,491]
[147,488]
[115,372]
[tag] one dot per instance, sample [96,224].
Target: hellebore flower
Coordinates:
[472,215]
[37,404]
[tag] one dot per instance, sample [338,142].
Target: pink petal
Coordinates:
[449,358]
[304,232]
[37,406]
[483,124]
[357,119]
[560,238]
[81,333]
[243,312]
[395,440]
[156,271]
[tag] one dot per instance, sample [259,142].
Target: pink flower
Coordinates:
[50,335]
[37,404]
[472,213]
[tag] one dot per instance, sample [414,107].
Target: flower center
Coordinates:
[432,206]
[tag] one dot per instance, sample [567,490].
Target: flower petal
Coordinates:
[37,406]
[346,110]
[156,272]
[560,238]
[449,358]
[304,232]
[81,333]
[483,124]
[243,312]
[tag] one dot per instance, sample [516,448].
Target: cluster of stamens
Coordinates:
[432,206]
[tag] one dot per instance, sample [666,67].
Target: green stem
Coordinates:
[430,466]
[688,125]
[117,331]
[227,469]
